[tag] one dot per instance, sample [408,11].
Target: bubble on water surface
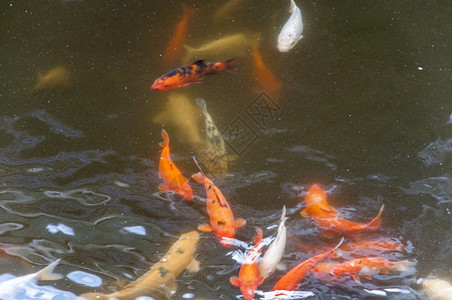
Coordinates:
[84,278]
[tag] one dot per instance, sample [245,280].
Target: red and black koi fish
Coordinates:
[192,73]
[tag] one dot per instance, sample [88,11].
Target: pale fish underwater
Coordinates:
[183,115]
[292,31]
[214,157]
[57,78]
[227,46]
[160,280]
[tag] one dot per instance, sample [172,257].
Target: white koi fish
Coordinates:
[292,30]
[275,251]
[8,287]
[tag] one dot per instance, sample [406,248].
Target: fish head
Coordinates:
[249,280]
[165,83]
[222,230]
[287,42]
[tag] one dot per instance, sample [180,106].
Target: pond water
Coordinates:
[364,111]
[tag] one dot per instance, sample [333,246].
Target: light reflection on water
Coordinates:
[365,112]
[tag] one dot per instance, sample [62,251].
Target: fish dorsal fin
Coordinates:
[193,266]
[234,280]
[47,272]
[199,62]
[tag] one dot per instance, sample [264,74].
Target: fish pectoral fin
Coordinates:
[356,278]
[232,157]
[193,266]
[281,267]
[239,223]
[47,272]
[304,213]
[164,187]
[328,234]
[234,280]
[368,277]
[205,228]
[172,287]
[260,280]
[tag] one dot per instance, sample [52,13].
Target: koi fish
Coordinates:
[56,78]
[192,73]
[292,31]
[184,116]
[291,280]
[264,76]
[222,221]
[325,216]
[214,156]
[178,38]
[366,267]
[173,180]
[437,289]
[160,280]
[226,46]
[275,251]
[249,278]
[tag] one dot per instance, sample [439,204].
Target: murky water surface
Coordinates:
[364,111]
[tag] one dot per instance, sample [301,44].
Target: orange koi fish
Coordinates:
[322,271]
[366,267]
[325,216]
[264,76]
[173,180]
[192,73]
[291,280]
[222,221]
[249,278]
[180,34]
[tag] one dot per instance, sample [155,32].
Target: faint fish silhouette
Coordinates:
[160,281]
[180,112]
[228,10]
[266,79]
[57,78]
[214,157]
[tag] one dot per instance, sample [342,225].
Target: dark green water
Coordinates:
[364,112]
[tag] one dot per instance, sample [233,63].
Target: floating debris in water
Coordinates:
[140,230]
[84,278]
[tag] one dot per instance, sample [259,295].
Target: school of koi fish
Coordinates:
[350,258]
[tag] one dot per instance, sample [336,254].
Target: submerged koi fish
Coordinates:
[249,278]
[222,221]
[264,76]
[174,49]
[160,280]
[291,280]
[275,251]
[192,73]
[366,267]
[322,271]
[325,216]
[214,156]
[292,31]
[57,78]
[173,180]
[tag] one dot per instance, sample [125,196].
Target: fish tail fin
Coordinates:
[198,177]
[338,245]
[229,65]
[202,103]
[375,223]
[283,214]
[165,139]
[292,6]
[402,266]
[47,272]
[258,237]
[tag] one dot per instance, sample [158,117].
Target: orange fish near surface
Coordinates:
[192,73]
[291,280]
[173,180]
[174,49]
[264,76]
[366,267]
[222,221]
[325,216]
[249,278]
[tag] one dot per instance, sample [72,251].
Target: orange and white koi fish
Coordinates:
[173,180]
[264,76]
[249,278]
[222,221]
[291,280]
[275,251]
[160,281]
[174,49]
[192,73]
[366,267]
[326,217]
